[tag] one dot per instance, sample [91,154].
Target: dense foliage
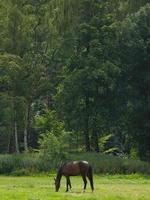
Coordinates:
[33,163]
[75,76]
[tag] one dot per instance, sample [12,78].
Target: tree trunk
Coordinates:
[8,146]
[13,145]
[96,145]
[16,138]
[26,122]
[87,141]
[95,123]
[25,139]
[86,131]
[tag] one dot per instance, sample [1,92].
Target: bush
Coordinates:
[52,151]
[54,140]
[7,164]
[111,164]
[27,164]
[13,162]
[21,172]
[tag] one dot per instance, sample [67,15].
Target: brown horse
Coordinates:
[74,168]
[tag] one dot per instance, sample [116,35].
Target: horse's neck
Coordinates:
[59,175]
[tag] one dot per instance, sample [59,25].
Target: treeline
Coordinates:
[75,76]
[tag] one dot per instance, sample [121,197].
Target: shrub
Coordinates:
[111,164]
[52,150]
[7,164]
[31,163]
[21,172]
[54,140]
[13,162]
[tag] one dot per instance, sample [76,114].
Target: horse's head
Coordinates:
[57,184]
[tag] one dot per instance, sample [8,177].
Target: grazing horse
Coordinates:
[74,168]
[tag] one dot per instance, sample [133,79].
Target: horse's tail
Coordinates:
[90,176]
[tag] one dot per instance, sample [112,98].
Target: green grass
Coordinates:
[117,187]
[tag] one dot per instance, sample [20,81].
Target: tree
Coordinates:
[90,79]
[135,57]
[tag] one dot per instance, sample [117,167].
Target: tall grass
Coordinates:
[19,163]
[113,165]
[25,164]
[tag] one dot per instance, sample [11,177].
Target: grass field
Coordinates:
[117,187]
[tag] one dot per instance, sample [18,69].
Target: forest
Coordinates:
[75,77]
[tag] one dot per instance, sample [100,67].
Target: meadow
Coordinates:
[107,187]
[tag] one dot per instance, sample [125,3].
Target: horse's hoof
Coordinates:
[83,191]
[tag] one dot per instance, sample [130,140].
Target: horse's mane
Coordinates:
[61,167]
[64,163]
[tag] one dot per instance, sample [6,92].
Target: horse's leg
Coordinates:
[69,182]
[85,182]
[90,177]
[91,182]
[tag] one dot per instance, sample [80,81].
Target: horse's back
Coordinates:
[74,168]
[84,167]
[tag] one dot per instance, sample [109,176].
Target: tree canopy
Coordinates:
[76,72]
